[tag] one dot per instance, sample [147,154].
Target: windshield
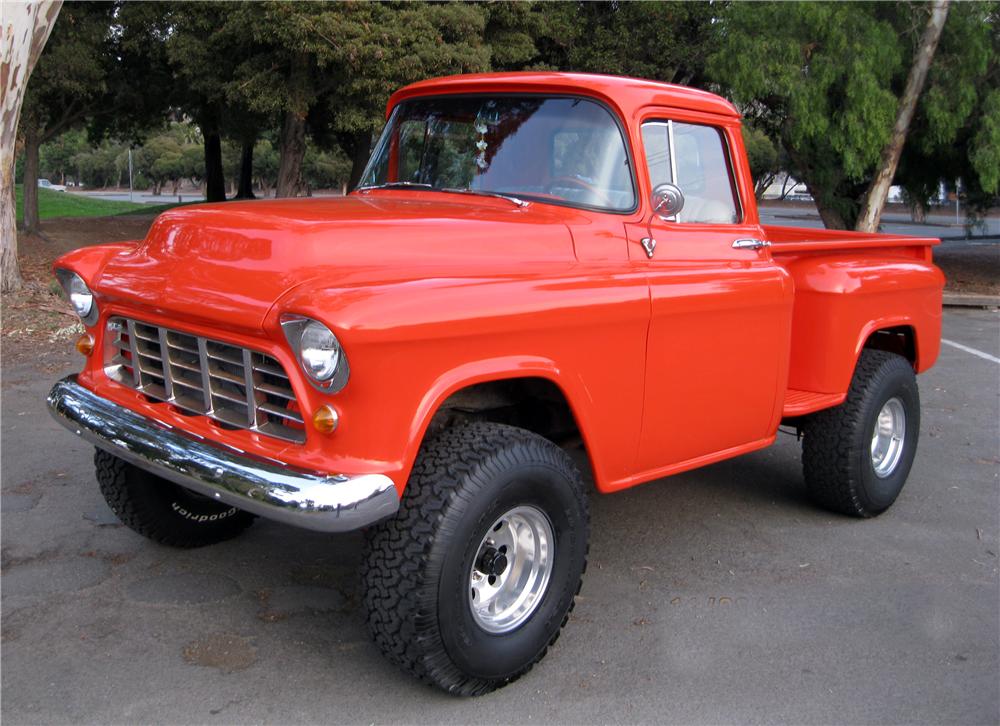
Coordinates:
[561,150]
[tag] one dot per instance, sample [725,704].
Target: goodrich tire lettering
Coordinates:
[202,517]
[162,511]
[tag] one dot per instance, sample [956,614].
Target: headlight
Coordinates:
[318,351]
[80,296]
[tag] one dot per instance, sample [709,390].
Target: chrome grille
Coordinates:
[238,387]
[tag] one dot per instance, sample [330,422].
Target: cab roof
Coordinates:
[626,94]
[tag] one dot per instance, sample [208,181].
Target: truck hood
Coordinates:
[228,264]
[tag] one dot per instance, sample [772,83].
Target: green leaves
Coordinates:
[824,79]
[985,148]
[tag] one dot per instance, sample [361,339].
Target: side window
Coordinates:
[694,158]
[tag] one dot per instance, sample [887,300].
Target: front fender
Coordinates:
[498,369]
[412,344]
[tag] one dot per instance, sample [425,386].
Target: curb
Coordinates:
[960,300]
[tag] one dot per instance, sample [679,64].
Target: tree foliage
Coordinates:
[291,94]
[99,70]
[957,135]
[663,41]
[824,79]
[329,68]
[765,158]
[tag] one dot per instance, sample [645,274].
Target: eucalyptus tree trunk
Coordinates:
[30,184]
[245,189]
[292,150]
[25,28]
[215,178]
[878,190]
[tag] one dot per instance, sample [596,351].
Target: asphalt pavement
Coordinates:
[717,596]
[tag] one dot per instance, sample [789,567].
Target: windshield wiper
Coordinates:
[481,193]
[395,185]
[452,190]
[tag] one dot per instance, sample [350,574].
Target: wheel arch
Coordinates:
[893,336]
[481,389]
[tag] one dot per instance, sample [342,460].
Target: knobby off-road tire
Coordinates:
[846,469]
[161,510]
[420,572]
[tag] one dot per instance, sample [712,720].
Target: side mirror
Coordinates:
[668,200]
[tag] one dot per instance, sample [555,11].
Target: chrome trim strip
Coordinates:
[313,500]
[134,350]
[168,373]
[206,382]
[251,389]
[673,162]
[750,244]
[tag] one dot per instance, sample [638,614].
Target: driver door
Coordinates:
[721,314]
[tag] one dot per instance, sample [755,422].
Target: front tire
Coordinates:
[162,511]
[472,581]
[856,456]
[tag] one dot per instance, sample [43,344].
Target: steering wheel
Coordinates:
[603,198]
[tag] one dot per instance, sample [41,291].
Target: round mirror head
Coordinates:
[668,200]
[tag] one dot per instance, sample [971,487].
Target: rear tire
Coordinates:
[856,456]
[444,579]
[162,511]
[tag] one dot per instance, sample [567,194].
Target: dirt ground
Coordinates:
[40,314]
[971,267]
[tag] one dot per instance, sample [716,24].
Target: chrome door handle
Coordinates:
[750,244]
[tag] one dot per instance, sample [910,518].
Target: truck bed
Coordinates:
[852,290]
[807,239]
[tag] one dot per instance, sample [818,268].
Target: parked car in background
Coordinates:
[46,184]
[533,262]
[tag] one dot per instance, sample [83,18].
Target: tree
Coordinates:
[98,70]
[103,165]
[203,53]
[661,41]
[25,29]
[766,162]
[326,169]
[328,69]
[265,165]
[878,189]
[956,131]
[826,79]
[56,157]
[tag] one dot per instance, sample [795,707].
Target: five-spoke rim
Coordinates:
[888,437]
[511,570]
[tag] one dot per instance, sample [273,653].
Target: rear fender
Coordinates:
[841,300]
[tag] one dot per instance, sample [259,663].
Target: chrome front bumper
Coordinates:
[313,500]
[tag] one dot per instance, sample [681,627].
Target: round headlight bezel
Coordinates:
[80,296]
[318,352]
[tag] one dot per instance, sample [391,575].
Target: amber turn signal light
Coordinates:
[325,419]
[85,344]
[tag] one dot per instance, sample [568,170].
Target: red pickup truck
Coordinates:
[532,261]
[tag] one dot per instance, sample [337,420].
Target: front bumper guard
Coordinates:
[313,500]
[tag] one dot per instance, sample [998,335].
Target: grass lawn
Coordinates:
[64,204]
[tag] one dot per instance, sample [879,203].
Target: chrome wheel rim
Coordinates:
[888,437]
[511,570]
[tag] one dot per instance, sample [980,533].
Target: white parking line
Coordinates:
[967,349]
